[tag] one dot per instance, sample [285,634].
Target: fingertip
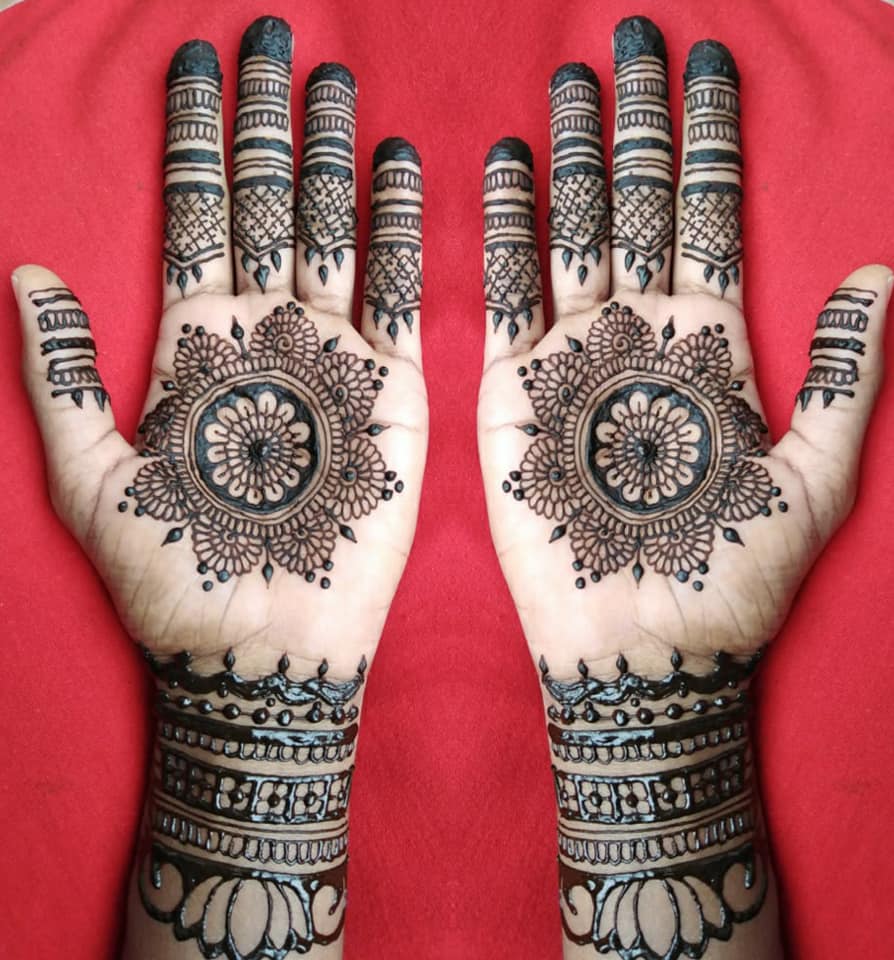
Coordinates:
[510,149]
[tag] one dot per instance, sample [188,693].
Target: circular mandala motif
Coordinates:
[256,446]
[261,450]
[644,450]
[649,447]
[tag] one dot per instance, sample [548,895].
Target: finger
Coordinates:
[512,291]
[67,393]
[579,221]
[642,173]
[834,404]
[393,287]
[197,209]
[263,192]
[326,215]
[708,249]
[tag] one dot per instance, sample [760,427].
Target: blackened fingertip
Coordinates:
[195,58]
[510,148]
[710,58]
[267,37]
[395,148]
[332,71]
[569,72]
[638,37]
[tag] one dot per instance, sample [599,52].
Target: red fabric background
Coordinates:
[452,819]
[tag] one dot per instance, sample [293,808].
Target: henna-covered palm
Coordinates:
[271,500]
[635,498]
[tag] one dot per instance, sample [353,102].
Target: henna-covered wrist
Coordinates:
[246,837]
[660,851]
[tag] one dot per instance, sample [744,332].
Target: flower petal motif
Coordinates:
[304,544]
[555,388]
[259,448]
[551,485]
[349,384]
[156,425]
[362,479]
[160,492]
[704,357]
[751,431]
[619,335]
[601,544]
[200,358]
[287,333]
[234,550]
[679,549]
[746,491]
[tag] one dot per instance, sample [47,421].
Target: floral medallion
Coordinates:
[644,452]
[263,451]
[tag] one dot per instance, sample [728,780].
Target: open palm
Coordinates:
[635,499]
[272,497]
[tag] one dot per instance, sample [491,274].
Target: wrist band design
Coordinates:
[262,449]
[644,453]
[659,852]
[246,852]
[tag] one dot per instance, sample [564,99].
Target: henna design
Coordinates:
[511,265]
[195,221]
[263,194]
[710,220]
[834,368]
[642,201]
[579,217]
[264,451]
[394,268]
[672,848]
[642,453]
[244,855]
[325,212]
[71,368]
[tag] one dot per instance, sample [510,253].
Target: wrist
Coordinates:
[659,841]
[248,805]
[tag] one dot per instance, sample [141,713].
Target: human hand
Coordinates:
[281,452]
[635,499]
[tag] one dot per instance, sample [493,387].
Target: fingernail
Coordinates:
[710,58]
[638,37]
[510,148]
[332,71]
[195,58]
[573,71]
[14,280]
[395,148]
[267,37]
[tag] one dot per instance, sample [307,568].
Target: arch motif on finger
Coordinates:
[195,225]
[579,217]
[394,267]
[263,188]
[642,187]
[643,449]
[511,265]
[71,368]
[263,451]
[325,212]
[835,350]
[711,197]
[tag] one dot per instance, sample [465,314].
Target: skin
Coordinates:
[749,591]
[156,589]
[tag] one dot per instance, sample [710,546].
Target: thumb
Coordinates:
[833,406]
[67,394]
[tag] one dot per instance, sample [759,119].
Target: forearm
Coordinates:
[244,847]
[662,851]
